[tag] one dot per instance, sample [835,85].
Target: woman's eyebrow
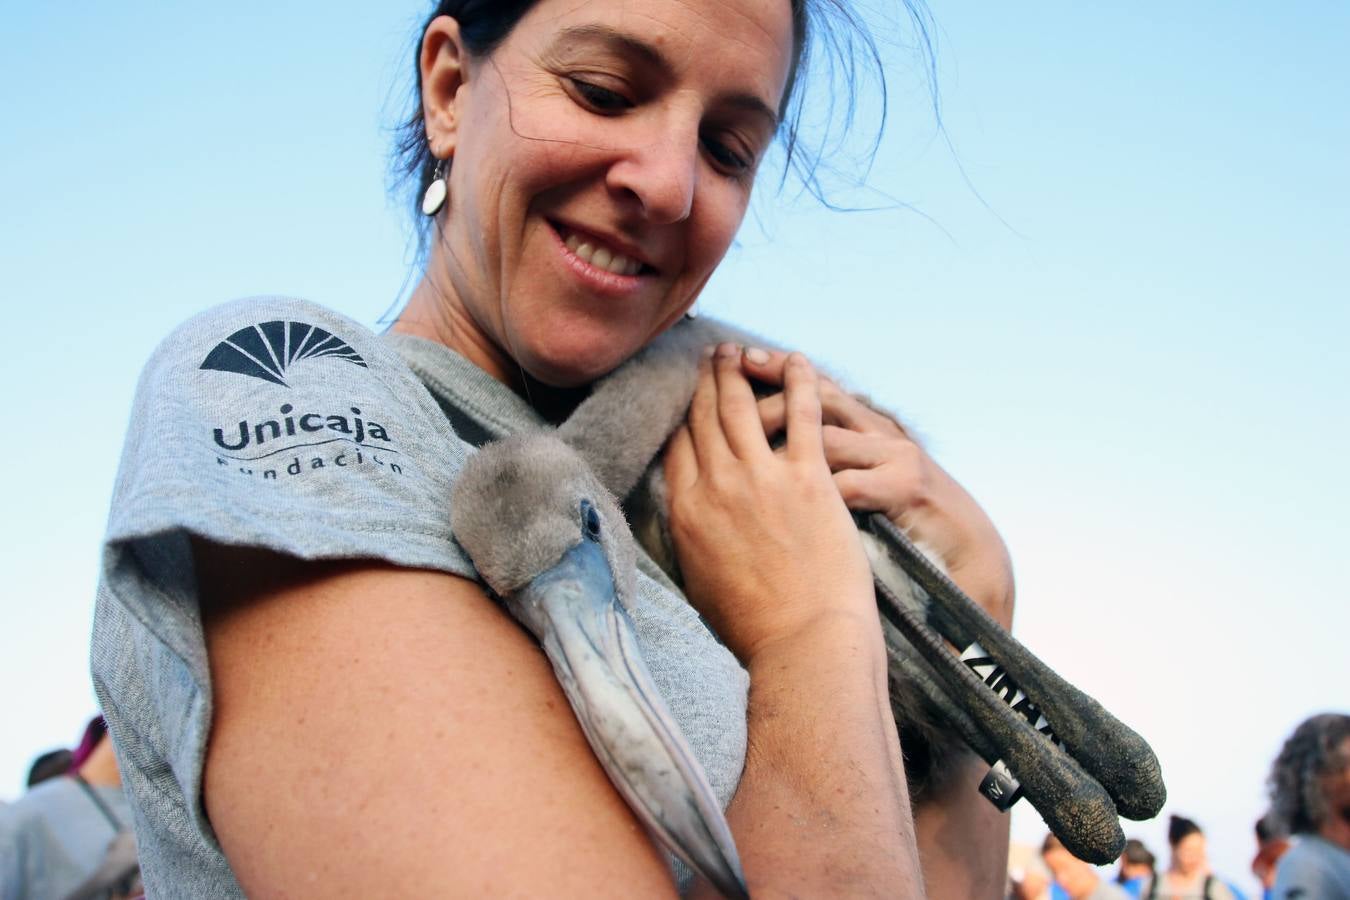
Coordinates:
[617,41]
[631,45]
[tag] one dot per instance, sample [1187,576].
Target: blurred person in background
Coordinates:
[1076,879]
[1028,878]
[1189,876]
[1310,797]
[1032,884]
[70,835]
[1272,842]
[49,765]
[1138,868]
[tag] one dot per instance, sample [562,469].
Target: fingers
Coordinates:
[846,449]
[736,406]
[876,472]
[772,414]
[862,492]
[705,427]
[844,409]
[838,407]
[766,365]
[723,420]
[801,393]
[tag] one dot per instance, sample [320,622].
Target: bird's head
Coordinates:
[524,502]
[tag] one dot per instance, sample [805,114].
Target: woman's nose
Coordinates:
[662,175]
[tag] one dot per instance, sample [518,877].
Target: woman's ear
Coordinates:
[444,71]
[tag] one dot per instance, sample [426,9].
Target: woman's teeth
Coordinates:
[602,257]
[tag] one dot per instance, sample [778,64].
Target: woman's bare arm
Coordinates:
[771,555]
[822,808]
[962,838]
[391,732]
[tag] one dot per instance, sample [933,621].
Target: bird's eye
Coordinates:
[590,520]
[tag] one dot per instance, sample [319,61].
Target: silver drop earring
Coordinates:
[437,191]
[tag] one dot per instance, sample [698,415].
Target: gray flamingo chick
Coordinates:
[997,698]
[536,513]
[550,541]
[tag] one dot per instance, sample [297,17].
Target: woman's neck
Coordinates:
[432,315]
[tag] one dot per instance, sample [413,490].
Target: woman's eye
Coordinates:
[599,98]
[727,159]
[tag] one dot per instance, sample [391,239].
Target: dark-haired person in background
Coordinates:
[1272,842]
[49,765]
[1076,879]
[1310,796]
[275,623]
[1138,868]
[70,835]
[1188,875]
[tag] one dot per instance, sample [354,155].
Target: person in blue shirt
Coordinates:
[1310,795]
[1138,868]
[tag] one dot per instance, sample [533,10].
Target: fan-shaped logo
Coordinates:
[269,349]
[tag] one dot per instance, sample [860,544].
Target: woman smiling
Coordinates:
[310,693]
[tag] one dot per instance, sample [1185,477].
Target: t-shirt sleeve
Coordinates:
[275,423]
[1313,870]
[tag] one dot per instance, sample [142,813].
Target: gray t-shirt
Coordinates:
[1106,890]
[1206,887]
[272,422]
[1313,869]
[54,837]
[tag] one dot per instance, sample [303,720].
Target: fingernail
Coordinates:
[727,348]
[756,355]
[709,350]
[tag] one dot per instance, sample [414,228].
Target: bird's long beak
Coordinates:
[573,610]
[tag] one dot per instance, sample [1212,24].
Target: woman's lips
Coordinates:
[599,254]
[598,263]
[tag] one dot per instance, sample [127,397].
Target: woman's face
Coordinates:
[603,157]
[1336,790]
[1188,854]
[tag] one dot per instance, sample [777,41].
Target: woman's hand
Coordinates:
[771,556]
[878,467]
[765,543]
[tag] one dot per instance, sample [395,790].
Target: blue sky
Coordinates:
[1116,307]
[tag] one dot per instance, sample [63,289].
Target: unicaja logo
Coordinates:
[290,442]
[311,440]
[269,349]
[348,427]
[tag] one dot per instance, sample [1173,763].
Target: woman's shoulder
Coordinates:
[263,337]
[1314,865]
[275,422]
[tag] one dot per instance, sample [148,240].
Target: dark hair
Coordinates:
[829,24]
[1270,828]
[49,765]
[1136,854]
[1180,828]
[1316,749]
